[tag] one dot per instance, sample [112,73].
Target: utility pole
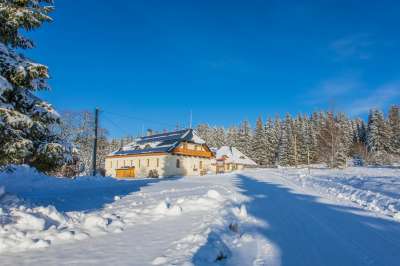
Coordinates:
[96,125]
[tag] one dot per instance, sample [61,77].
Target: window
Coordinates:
[139,163]
[201,165]
[131,163]
[185,146]
[158,162]
[178,163]
[148,162]
[117,163]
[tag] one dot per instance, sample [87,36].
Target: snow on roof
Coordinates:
[164,142]
[233,155]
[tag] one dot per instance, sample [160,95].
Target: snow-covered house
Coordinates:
[180,153]
[228,159]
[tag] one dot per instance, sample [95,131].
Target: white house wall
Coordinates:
[167,165]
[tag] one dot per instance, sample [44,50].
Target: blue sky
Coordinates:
[154,61]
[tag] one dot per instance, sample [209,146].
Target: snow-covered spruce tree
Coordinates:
[218,134]
[394,123]
[243,142]
[278,133]
[378,138]
[214,136]
[259,144]
[359,146]
[301,139]
[347,137]
[232,136]
[331,143]
[272,142]
[286,153]
[25,120]
[204,132]
[312,142]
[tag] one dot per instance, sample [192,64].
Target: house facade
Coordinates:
[228,159]
[178,153]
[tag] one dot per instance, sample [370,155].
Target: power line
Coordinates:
[126,132]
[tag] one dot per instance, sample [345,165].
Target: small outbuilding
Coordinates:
[228,159]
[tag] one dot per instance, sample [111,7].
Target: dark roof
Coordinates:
[163,137]
[149,150]
[164,142]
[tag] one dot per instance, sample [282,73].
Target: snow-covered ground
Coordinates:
[376,189]
[172,221]
[254,217]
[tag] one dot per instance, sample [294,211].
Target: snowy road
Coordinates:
[188,221]
[309,230]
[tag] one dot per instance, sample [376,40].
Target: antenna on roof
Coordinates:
[191,118]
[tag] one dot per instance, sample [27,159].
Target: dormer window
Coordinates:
[147,146]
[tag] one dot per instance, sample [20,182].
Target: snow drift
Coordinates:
[375,189]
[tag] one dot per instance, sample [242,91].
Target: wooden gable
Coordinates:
[193,149]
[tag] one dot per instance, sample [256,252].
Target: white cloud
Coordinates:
[379,98]
[353,96]
[333,90]
[353,47]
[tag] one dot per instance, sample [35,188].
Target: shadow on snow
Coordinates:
[308,232]
[86,197]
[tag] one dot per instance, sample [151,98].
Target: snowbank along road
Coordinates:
[254,217]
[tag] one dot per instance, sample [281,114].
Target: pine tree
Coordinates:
[26,121]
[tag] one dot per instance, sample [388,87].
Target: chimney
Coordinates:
[149,132]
